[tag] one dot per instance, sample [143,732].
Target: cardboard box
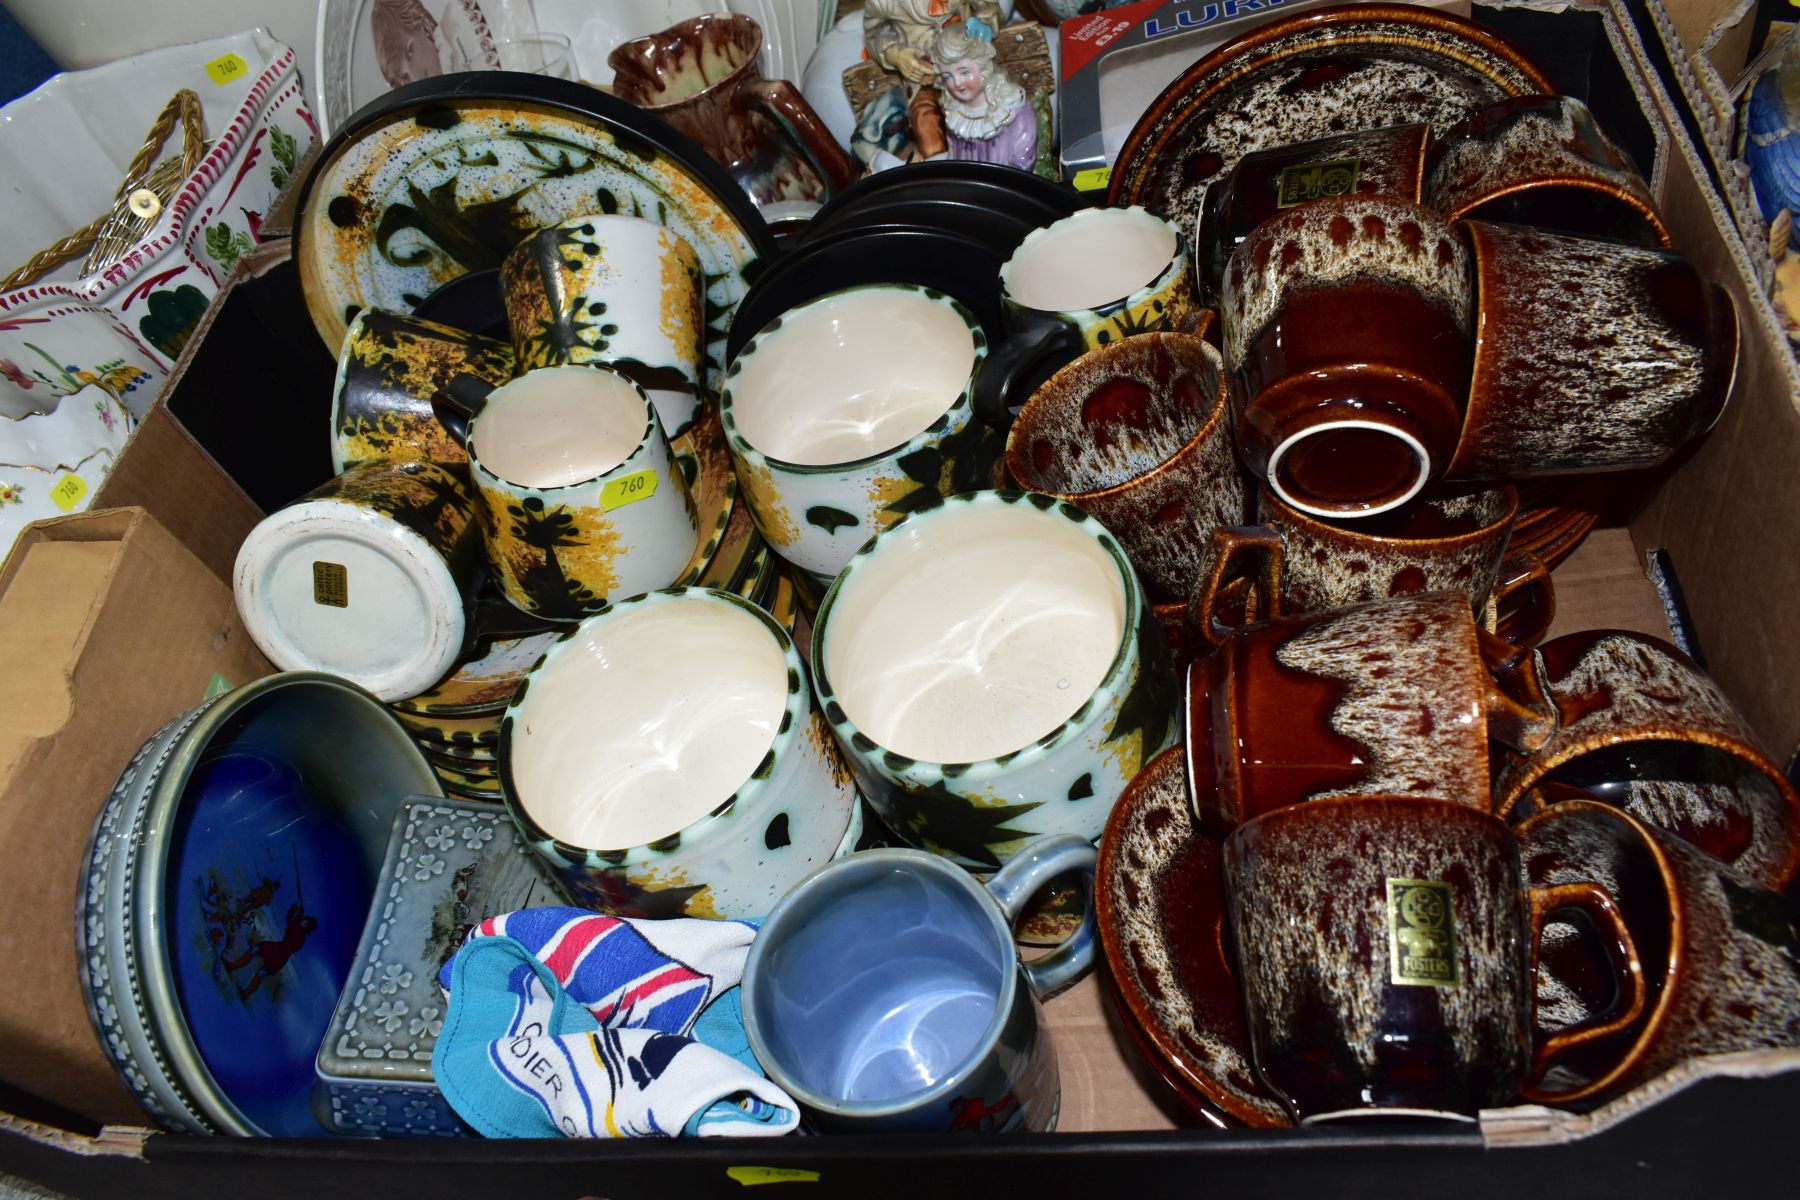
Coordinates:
[108,627]
[1722,518]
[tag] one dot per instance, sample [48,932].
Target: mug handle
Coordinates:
[1597,903]
[1525,576]
[1519,712]
[1029,872]
[459,402]
[1238,552]
[789,109]
[1034,340]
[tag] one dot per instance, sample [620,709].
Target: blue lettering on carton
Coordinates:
[1207,14]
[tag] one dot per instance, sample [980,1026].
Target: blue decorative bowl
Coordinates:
[228,880]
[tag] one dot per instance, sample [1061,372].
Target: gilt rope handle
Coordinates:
[183,108]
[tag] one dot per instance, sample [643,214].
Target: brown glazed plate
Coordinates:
[1159,899]
[1324,72]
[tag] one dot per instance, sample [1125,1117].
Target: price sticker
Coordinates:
[68,492]
[628,489]
[1092,179]
[218,686]
[226,68]
[754,1176]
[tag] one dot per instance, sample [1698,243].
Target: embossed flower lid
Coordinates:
[449,865]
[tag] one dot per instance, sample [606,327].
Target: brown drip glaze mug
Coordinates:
[1589,355]
[1138,434]
[1375,162]
[1384,945]
[1719,954]
[1347,325]
[1643,728]
[1542,161]
[1395,696]
[1447,540]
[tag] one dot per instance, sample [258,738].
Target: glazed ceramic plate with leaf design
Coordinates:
[1159,899]
[1326,72]
[445,176]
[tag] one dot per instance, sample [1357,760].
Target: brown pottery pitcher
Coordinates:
[701,77]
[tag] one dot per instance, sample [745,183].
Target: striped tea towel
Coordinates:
[561,1021]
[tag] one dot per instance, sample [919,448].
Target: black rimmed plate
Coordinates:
[955,264]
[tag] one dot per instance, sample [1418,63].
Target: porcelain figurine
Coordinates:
[898,36]
[988,117]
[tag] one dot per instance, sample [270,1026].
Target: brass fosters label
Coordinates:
[331,585]
[1309,181]
[1421,933]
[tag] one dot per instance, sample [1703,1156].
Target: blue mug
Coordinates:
[885,993]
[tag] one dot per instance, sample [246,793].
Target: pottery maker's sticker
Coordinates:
[68,492]
[628,489]
[1421,933]
[331,585]
[1309,181]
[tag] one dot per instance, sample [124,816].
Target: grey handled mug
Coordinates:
[885,993]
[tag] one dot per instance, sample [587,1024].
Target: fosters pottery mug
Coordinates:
[1718,954]
[1138,434]
[1347,323]
[848,412]
[616,290]
[992,670]
[885,993]
[1394,696]
[1451,540]
[1542,161]
[1589,355]
[1385,945]
[579,499]
[1643,727]
[1376,162]
[665,758]
[1094,277]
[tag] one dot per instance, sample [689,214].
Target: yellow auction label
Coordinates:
[752,1176]
[227,67]
[1092,179]
[68,492]
[628,489]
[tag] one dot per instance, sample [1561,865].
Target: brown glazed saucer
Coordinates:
[1159,899]
[1328,71]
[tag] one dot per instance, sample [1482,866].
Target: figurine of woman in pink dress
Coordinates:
[987,115]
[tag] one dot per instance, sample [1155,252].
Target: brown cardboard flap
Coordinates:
[132,627]
[45,615]
[1725,514]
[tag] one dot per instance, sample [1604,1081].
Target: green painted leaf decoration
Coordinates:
[828,518]
[283,147]
[950,823]
[1148,706]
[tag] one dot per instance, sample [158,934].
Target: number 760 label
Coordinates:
[628,489]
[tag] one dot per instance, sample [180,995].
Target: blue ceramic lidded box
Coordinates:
[450,864]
